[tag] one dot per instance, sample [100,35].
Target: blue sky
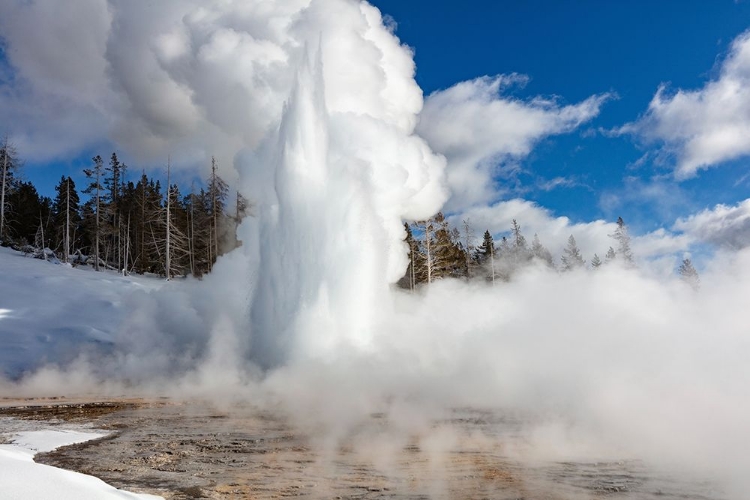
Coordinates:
[586,73]
[573,50]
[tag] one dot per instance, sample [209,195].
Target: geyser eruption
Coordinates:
[334,173]
[344,174]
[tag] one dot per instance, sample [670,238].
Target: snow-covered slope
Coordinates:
[22,478]
[50,313]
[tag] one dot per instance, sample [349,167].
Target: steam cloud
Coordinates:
[316,103]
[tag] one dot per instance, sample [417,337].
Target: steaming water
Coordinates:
[195,451]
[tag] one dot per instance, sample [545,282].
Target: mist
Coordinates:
[304,317]
[611,364]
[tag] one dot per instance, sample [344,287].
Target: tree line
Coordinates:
[127,225]
[437,251]
[142,227]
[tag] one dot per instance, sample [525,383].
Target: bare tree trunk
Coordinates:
[153,238]
[210,247]
[67,220]
[116,236]
[492,262]
[2,196]
[214,201]
[74,235]
[142,249]
[191,229]
[413,276]
[428,247]
[169,221]
[96,249]
[41,229]
[127,245]
[468,237]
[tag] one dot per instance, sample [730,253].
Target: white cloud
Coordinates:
[53,101]
[54,57]
[724,226]
[189,78]
[707,126]
[557,182]
[476,127]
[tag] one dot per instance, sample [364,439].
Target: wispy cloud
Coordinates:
[723,225]
[478,127]
[557,182]
[704,127]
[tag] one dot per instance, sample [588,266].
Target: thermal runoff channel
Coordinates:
[317,105]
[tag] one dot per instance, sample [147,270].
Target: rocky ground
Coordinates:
[191,450]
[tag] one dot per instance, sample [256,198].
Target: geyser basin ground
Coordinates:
[184,450]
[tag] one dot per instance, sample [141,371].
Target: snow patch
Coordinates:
[22,478]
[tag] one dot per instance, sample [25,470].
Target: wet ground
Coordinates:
[192,450]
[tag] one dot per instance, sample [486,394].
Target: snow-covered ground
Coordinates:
[52,312]
[23,479]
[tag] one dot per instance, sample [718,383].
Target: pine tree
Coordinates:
[113,181]
[513,253]
[31,215]
[449,256]
[201,234]
[571,258]
[520,249]
[596,262]
[146,222]
[128,234]
[139,225]
[241,209]
[611,255]
[485,255]
[540,252]
[112,207]
[468,248]
[505,262]
[217,192]
[688,274]
[623,243]
[66,213]
[95,189]
[409,279]
[519,241]
[153,221]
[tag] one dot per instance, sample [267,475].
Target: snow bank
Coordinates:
[22,478]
